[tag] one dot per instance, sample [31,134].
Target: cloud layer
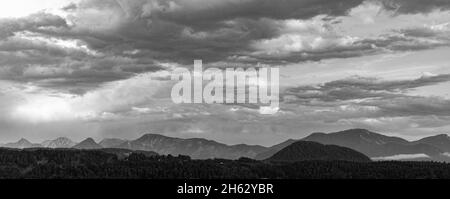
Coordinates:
[94,63]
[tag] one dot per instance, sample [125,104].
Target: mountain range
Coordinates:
[88,143]
[377,146]
[373,145]
[196,148]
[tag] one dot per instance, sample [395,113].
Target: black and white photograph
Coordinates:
[224,90]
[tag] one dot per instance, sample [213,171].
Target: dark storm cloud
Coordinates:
[389,97]
[439,33]
[32,50]
[412,39]
[210,12]
[403,40]
[322,96]
[415,6]
[66,74]
[338,46]
[35,47]
[10,26]
[355,50]
[122,38]
[373,84]
[214,30]
[64,68]
[411,106]
[361,88]
[129,36]
[183,30]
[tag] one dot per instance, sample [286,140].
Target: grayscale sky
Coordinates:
[101,68]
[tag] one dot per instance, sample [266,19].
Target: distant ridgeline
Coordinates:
[347,144]
[122,163]
[377,146]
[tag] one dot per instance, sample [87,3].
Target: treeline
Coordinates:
[46,163]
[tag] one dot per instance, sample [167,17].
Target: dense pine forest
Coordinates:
[80,164]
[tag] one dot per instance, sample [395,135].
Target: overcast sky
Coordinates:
[99,68]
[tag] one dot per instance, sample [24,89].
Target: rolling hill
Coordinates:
[441,141]
[307,151]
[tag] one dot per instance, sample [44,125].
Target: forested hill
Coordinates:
[70,163]
[303,150]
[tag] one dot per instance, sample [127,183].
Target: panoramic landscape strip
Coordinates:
[354,154]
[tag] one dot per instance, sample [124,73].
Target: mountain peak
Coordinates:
[357,131]
[88,143]
[442,136]
[89,140]
[21,144]
[23,141]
